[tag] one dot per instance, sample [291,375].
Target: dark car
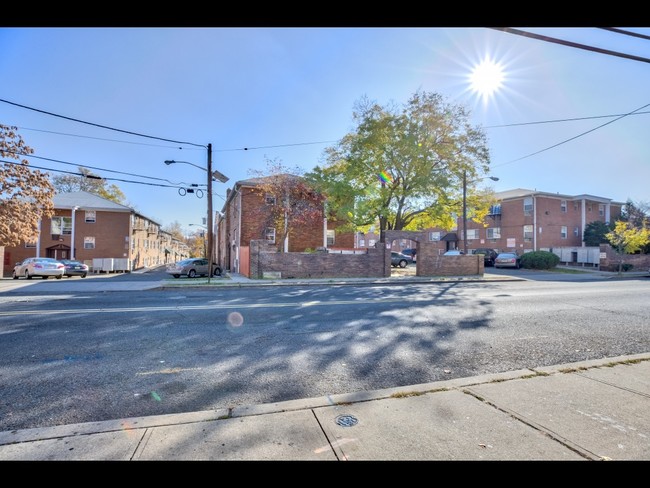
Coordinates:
[399,259]
[508,260]
[74,268]
[411,253]
[489,255]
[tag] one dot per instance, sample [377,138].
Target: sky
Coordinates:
[557,121]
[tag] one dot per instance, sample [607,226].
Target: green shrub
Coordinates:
[627,267]
[539,260]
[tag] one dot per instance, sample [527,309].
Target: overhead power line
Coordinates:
[626,32]
[572,138]
[571,44]
[101,126]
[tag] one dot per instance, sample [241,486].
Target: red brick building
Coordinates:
[101,231]
[243,219]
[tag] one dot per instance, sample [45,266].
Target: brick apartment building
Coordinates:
[241,221]
[101,230]
[529,220]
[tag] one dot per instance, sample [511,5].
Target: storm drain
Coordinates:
[346,420]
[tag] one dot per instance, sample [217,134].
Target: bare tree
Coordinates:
[292,203]
[25,194]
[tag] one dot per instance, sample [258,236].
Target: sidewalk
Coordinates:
[593,410]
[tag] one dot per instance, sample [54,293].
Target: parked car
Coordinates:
[399,259]
[74,268]
[43,267]
[411,253]
[453,252]
[489,255]
[192,268]
[508,260]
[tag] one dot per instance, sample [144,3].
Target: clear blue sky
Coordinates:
[288,93]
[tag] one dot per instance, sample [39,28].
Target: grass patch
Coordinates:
[406,394]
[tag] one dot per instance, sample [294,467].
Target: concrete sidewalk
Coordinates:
[593,410]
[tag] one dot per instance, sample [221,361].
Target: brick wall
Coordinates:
[611,259]
[265,262]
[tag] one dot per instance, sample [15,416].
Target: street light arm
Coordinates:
[171,161]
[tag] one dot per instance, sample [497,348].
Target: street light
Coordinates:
[493,178]
[216,175]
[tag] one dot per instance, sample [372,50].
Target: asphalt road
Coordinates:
[81,357]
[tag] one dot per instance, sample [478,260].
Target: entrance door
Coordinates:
[60,251]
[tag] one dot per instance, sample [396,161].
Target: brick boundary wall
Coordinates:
[267,262]
[640,262]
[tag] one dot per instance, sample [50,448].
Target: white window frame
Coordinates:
[601,209]
[472,234]
[270,234]
[89,242]
[563,206]
[564,232]
[528,231]
[30,245]
[528,205]
[61,225]
[434,236]
[494,234]
[331,237]
[91,217]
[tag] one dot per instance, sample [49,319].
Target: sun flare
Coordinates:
[486,78]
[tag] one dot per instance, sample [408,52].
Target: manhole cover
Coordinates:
[346,420]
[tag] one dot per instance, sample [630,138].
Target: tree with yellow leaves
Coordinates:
[25,194]
[627,239]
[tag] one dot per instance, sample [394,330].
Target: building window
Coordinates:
[362,242]
[495,209]
[493,232]
[89,243]
[61,225]
[601,210]
[270,234]
[563,232]
[434,236]
[91,217]
[330,237]
[576,231]
[270,200]
[472,234]
[563,206]
[30,244]
[528,233]
[528,205]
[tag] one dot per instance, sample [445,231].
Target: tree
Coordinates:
[596,233]
[89,182]
[176,230]
[626,239]
[25,194]
[638,215]
[296,203]
[404,167]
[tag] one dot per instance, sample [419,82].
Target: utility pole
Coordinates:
[210,236]
[465,211]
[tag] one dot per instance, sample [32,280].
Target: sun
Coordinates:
[486,78]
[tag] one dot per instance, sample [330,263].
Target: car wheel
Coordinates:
[59,277]
[217,271]
[83,275]
[14,275]
[27,275]
[191,274]
[176,276]
[403,263]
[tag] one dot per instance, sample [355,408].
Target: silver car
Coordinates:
[192,268]
[43,267]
